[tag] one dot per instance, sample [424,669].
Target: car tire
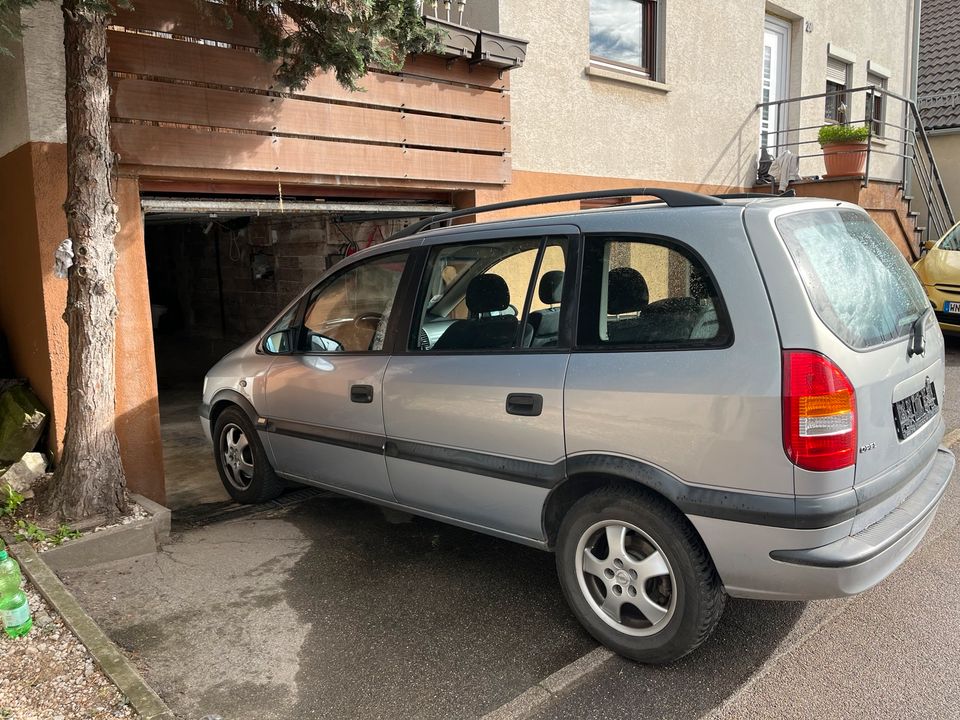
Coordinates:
[244,469]
[655,598]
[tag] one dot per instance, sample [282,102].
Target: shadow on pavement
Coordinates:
[427,620]
[952,349]
[420,619]
[749,633]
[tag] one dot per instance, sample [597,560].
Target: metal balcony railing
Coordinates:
[911,160]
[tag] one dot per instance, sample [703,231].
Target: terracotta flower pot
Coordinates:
[845,158]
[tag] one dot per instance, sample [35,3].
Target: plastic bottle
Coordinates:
[14,608]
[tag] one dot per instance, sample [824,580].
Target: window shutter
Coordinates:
[836,71]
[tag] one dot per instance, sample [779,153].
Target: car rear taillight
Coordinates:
[819,412]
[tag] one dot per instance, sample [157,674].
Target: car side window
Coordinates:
[640,292]
[483,296]
[350,312]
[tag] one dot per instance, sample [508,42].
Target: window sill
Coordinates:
[627,77]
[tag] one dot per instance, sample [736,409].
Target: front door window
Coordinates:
[350,312]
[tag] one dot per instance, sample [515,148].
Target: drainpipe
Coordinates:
[912,91]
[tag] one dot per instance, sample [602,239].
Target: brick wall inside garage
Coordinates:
[265,262]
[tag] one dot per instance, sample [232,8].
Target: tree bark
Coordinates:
[89,479]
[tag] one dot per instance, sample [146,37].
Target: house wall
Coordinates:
[30,207]
[14,123]
[701,125]
[946,149]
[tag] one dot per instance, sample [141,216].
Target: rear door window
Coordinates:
[858,282]
[480,296]
[646,293]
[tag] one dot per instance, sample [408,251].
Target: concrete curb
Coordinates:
[121,672]
[141,537]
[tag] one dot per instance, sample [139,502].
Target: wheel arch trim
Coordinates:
[232,397]
[786,511]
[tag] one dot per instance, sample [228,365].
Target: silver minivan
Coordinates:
[686,399]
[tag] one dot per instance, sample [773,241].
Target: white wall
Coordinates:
[702,127]
[14,130]
[31,82]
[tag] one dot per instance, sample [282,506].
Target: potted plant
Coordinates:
[844,149]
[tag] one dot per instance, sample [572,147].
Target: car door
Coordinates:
[473,410]
[323,400]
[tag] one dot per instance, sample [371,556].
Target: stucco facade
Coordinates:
[946,148]
[700,125]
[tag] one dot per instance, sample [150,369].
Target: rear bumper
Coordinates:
[887,533]
[785,564]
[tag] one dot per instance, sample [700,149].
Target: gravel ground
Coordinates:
[49,675]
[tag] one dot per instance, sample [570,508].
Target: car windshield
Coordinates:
[858,282]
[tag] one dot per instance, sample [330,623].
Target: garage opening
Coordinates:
[219,270]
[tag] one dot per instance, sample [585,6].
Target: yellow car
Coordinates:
[939,273]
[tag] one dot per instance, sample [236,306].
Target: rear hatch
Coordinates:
[891,349]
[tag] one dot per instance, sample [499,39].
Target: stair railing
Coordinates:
[916,167]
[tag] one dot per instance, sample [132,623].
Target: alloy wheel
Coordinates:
[236,455]
[626,578]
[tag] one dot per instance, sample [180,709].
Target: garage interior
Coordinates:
[219,270]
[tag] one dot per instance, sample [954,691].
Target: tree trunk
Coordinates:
[89,479]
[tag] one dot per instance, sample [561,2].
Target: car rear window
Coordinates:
[858,282]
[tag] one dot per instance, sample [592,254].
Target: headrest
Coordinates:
[626,291]
[551,287]
[487,293]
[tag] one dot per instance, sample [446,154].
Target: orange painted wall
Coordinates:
[138,410]
[33,185]
[526,183]
[32,190]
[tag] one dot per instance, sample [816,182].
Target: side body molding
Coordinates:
[758,509]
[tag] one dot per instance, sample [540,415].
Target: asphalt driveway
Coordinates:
[328,609]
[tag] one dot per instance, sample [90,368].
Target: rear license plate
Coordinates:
[912,412]
[951,307]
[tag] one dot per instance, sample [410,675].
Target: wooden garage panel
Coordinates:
[182,17]
[176,147]
[173,103]
[162,58]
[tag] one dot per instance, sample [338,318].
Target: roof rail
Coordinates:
[759,196]
[673,198]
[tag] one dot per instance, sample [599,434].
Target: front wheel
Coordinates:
[241,461]
[637,575]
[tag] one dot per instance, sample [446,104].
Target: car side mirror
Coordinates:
[278,342]
[928,245]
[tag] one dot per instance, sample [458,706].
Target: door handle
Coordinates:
[528,404]
[361,393]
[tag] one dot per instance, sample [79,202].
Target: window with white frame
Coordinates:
[838,100]
[624,33]
[878,107]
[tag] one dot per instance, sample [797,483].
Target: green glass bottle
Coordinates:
[14,608]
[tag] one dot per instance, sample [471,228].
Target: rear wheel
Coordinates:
[241,461]
[637,576]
